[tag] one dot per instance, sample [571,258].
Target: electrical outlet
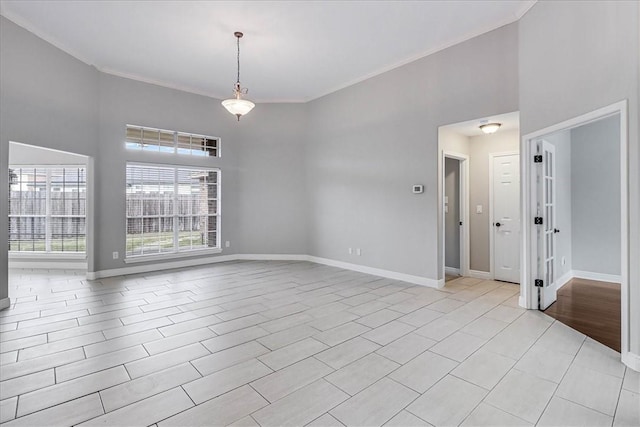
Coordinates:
[116,255]
[227,244]
[358,251]
[350,251]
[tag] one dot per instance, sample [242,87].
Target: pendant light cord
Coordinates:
[238,40]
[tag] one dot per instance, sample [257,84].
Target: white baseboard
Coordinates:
[485,275]
[272,257]
[452,270]
[5,303]
[416,280]
[521,302]
[49,265]
[589,275]
[631,360]
[564,279]
[145,268]
[578,274]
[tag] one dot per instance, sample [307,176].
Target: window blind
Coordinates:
[171,209]
[167,141]
[47,209]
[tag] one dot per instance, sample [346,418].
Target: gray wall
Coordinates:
[367,144]
[48,99]
[562,143]
[123,101]
[4,218]
[452,216]
[479,182]
[52,100]
[261,165]
[271,208]
[595,196]
[576,57]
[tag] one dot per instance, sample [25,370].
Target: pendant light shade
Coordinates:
[237,105]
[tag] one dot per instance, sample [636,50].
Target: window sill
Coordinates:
[48,256]
[171,255]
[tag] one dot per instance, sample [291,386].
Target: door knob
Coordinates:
[498,224]
[555,230]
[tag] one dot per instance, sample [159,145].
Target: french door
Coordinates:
[546,224]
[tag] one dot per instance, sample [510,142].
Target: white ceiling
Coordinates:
[292,51]
[508,121]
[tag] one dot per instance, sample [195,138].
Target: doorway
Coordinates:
[455,213]
[50,202]
[576,226]
[466,146]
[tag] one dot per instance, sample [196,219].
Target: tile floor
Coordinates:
[296,343]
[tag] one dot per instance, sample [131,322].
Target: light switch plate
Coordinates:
[418,188]
[479,209]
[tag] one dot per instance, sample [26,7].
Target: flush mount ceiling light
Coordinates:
[237,105]
[490,127]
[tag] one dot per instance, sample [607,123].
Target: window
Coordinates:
[47,209]
[171,209]
[168,141]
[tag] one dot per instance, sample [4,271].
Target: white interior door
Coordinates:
[506,217]
[546,210]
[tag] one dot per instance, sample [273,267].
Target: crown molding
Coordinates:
[525,8]
[190,89]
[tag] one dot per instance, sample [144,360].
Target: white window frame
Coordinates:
[48,216]
[177,253]
[176,134]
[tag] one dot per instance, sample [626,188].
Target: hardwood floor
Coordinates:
[592,308]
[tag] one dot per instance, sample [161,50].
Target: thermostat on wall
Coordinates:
[418,188]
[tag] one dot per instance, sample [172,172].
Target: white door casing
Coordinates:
[546,232]
[505,221]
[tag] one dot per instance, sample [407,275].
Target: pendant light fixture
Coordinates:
[490,127]
[237,105]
